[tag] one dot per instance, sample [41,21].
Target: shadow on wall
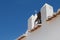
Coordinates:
[38,19]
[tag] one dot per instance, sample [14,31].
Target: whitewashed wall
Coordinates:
[49,32]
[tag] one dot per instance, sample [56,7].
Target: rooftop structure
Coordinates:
[44,25]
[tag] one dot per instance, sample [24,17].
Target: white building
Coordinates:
[48,29]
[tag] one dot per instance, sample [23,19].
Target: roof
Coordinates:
[38,26]
[35,28]
[21,37]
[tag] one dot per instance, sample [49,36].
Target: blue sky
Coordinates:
[15,13]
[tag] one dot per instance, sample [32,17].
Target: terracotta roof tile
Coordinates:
[21,37]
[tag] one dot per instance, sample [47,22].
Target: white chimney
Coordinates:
[31,22]
[46,12]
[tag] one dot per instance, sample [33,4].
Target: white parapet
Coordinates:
[46,11]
